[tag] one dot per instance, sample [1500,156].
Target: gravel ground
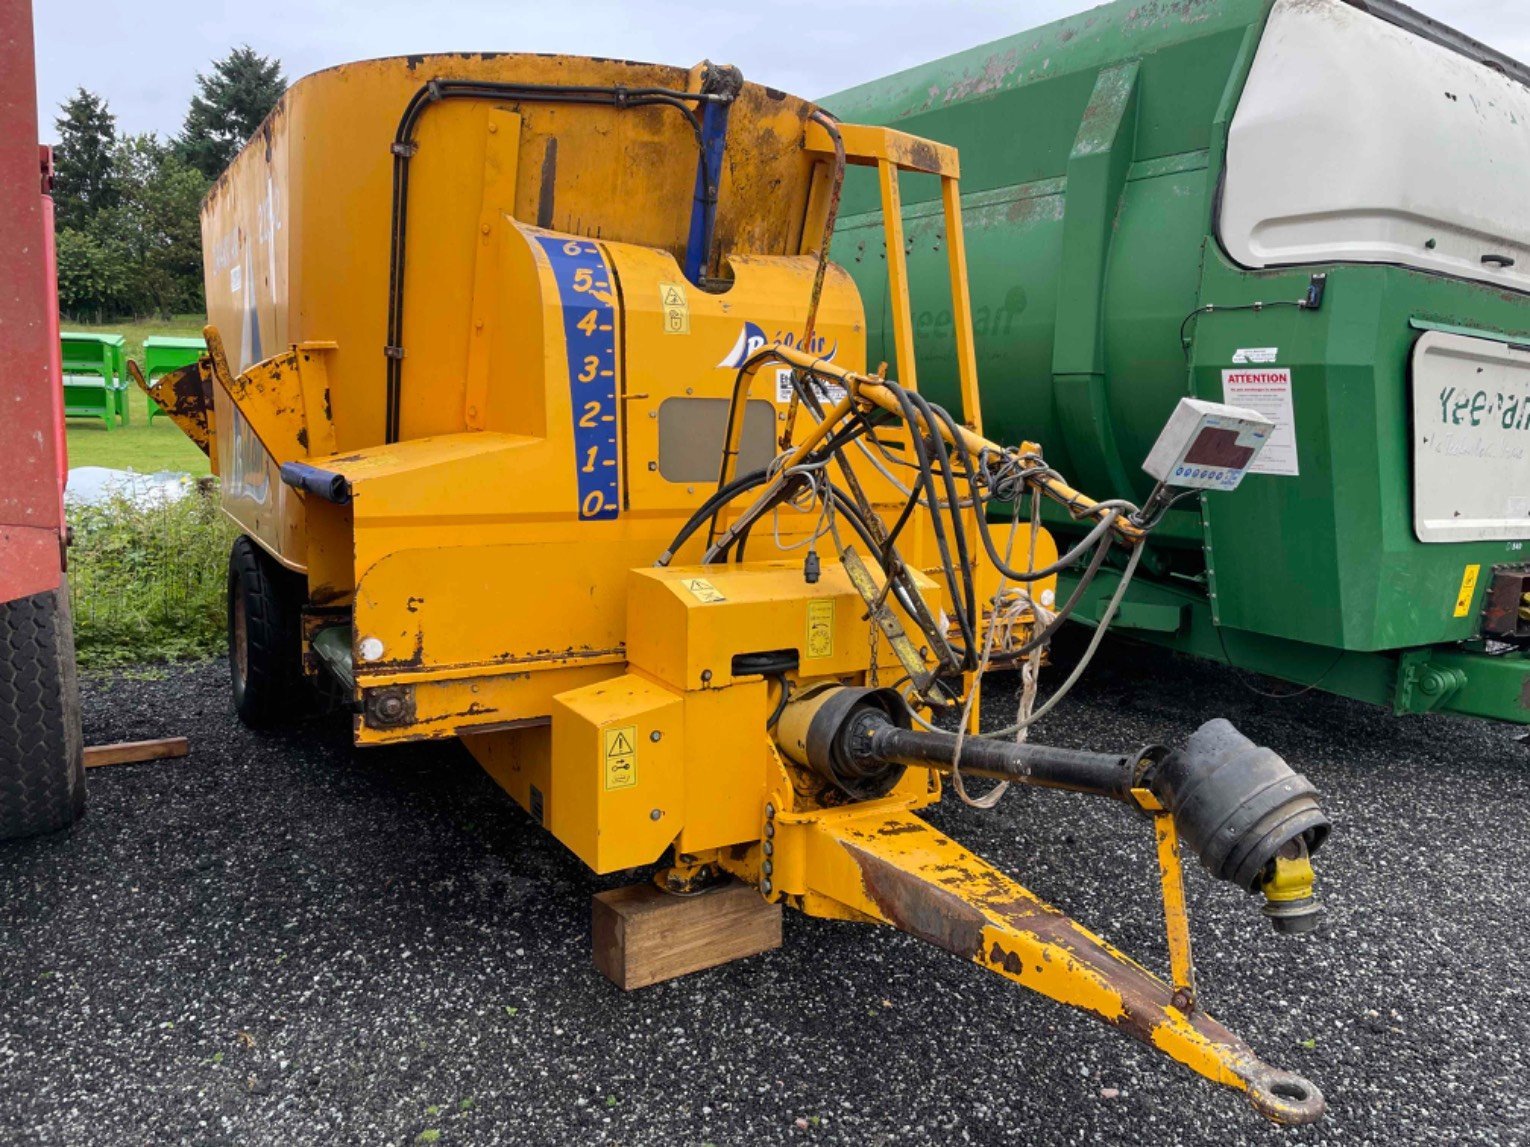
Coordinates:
[283,940]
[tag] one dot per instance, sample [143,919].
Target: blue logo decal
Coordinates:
[752,338]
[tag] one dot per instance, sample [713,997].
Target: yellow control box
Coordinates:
[617,781]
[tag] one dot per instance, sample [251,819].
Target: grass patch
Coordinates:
[146,582]
[139,445]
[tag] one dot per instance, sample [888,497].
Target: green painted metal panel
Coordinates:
[1092,151]
[1343,529]
[1084,221]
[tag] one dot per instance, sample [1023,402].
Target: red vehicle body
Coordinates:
[31,416]
[42,784]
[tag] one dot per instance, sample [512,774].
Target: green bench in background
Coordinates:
[162,354]
[87,358]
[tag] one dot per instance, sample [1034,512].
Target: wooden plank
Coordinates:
[131,752]
[644,936]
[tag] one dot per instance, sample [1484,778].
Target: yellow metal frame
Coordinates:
[1171,881]
[891,152]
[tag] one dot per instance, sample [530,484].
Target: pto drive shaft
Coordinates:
[1042,766]
[1250,818]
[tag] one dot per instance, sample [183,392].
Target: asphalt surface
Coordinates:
[284,940]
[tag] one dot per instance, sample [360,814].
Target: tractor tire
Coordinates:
[42,751]
[265,649]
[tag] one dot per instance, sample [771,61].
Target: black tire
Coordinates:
[265,649]
[42,751]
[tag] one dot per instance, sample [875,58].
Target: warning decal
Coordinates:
[1267,392]
[820,628]
[619,756]
[1468,588]
[677,312]
[702,590]
[828,393]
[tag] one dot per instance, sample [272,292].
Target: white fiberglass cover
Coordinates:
[1356,141]
[1471,439]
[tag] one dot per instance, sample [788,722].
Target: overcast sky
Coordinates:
[144,56]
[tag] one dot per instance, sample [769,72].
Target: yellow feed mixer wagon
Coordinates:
[547,423]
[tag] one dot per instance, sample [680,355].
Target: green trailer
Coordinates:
[1309,207]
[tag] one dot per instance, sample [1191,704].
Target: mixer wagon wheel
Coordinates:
[264,637]
[42,753]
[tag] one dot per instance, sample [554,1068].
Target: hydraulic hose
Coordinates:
[733,489]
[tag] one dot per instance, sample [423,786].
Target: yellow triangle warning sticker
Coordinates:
[703,590]
[676,311]
[621,757]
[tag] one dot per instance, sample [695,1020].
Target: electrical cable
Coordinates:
[1215,308]
[1083,664]
[1305,689]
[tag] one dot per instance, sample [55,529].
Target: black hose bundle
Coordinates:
[940,464]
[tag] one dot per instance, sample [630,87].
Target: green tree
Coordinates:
[230,105]
[156,221]
[84,181]
[142,254]
[95,279]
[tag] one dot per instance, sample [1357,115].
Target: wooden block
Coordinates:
[130,752]
[644,936]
